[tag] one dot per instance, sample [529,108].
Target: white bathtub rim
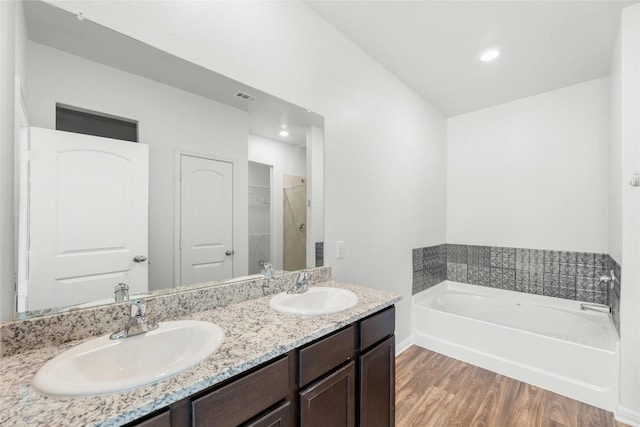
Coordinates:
[539,300]
[542,300]
[492,324]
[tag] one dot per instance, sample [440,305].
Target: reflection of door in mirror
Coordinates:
[259,216]
[206,220]
[88,202]
[294,222]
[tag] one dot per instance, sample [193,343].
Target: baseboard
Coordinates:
[403,345]
[627,416]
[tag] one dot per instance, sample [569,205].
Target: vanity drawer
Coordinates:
[160,420]
[279,417]
[377,327]
[244,398]
[322,356]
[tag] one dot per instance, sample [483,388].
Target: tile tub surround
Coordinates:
[560,274]
[429,267]
[56,329]
[254,334]
[319,254]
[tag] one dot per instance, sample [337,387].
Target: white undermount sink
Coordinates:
[315,301]
[104,365]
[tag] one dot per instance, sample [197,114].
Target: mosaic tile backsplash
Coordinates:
[319,254]
[560,274]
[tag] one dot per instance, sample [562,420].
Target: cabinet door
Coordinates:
[331,401]
[377,385]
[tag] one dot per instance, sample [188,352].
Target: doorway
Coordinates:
[206,220]
[259,216]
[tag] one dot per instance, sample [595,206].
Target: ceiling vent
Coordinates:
[245,96]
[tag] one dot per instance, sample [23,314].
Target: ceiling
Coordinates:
[61,30]
[434,46]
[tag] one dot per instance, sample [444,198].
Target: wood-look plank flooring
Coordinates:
[436,390]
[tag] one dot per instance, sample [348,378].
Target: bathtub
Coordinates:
[544,341]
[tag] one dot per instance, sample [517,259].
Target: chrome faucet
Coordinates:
[302,284]
[121,292]
[595,307]
[138,323]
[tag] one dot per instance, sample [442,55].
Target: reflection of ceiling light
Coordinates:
[284,133]
[489,55]
[283,126]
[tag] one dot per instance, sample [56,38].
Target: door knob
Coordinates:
[139,258]
[229,253]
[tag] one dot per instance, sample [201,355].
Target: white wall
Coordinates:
[285,159]
[384,145]
[532,173]
[169,120]
[625,209]
[615,154]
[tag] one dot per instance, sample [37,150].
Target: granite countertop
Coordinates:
[254,334]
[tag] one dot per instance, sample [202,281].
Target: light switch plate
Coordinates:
[340,249]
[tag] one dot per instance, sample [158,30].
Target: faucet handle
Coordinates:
[303,276]
[138,308]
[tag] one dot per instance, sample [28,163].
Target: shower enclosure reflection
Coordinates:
[294,220]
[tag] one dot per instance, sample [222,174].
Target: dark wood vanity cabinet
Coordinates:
[377,385]
[327,380]
[344,379]
[377,370]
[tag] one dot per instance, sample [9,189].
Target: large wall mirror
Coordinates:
[213,180]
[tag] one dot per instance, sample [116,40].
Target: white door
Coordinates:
[88,208]
[206,220]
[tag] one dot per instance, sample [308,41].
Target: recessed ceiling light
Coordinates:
[489,55]
[284,133]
